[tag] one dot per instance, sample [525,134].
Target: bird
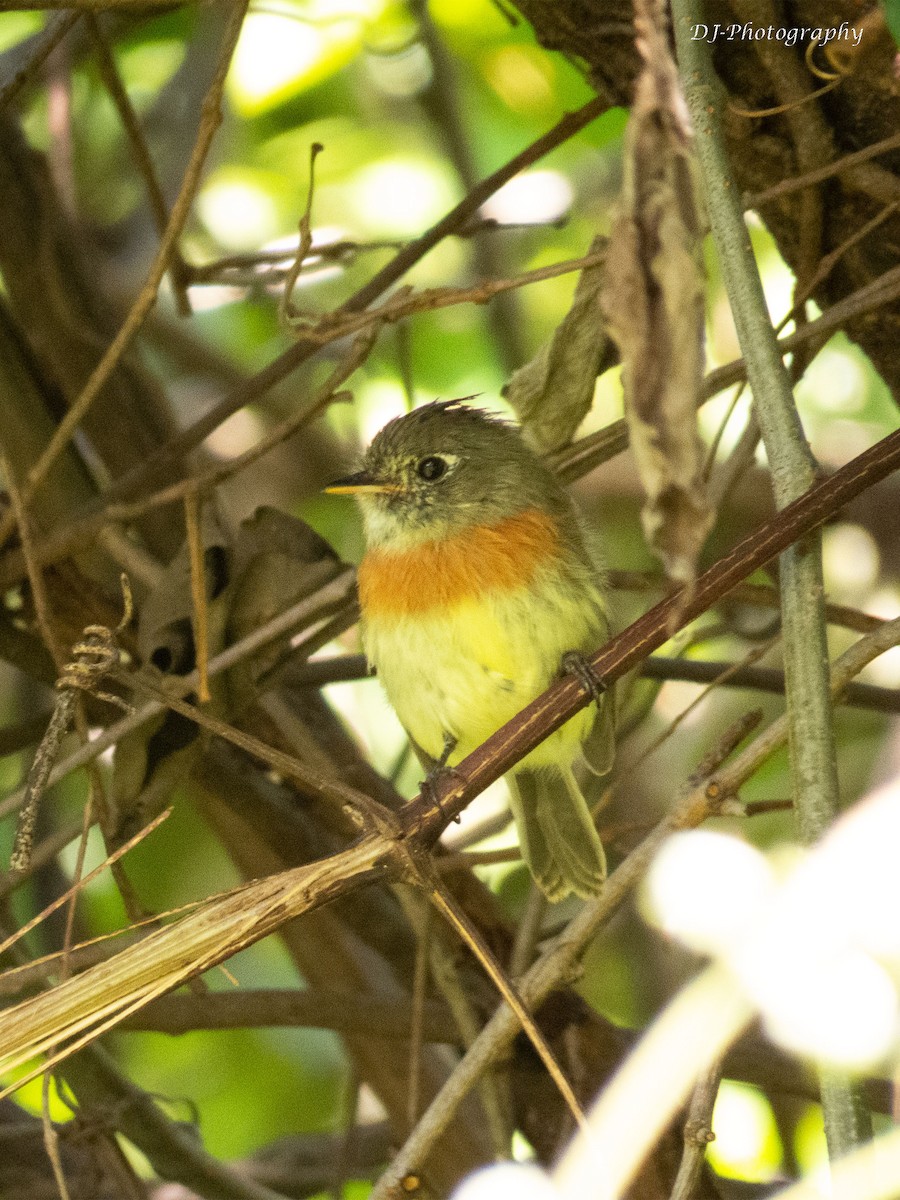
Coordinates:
[478,583]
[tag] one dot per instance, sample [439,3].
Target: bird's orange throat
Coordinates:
[443,573]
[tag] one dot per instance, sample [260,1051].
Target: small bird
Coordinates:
[476,585]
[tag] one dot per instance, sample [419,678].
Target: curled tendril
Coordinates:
[96,655]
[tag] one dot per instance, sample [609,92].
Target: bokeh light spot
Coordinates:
[706,887]
[538,196]
[747,1145]
[851,560]
[401,196]
[239,214]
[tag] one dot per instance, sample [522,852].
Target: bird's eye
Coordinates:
[432,467]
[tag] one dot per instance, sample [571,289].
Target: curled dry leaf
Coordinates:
[278,560]
[653,299]
[553,393]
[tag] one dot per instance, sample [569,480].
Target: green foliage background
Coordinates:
[389,169]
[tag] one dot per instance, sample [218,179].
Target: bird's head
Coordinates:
[442,468]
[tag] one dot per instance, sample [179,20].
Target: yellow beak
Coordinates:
[362,481]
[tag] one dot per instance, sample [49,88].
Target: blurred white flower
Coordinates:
[706,889]
[508,1181]
[819,953]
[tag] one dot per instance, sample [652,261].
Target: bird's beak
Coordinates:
[362,481]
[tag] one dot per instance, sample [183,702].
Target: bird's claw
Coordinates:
[434,783]
[574,663]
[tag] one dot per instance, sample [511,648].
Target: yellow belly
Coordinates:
[471,669]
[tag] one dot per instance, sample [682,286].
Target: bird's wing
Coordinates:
[600,746]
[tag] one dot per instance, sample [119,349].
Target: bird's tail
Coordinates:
[557,835]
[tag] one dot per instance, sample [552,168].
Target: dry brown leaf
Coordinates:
[552,394]
[278,560]
[653,298]
[165,635]
[275,561]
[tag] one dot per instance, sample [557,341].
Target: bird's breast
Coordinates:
[439,575]
[466,631]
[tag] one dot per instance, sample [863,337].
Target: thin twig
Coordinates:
[348,668]
[445,973]
[286,311]
[528,931]
[210,118]
[140,152]
[336,326]
[458,920]
[19,515]
[728,674]
[200,619]
[458,217]
[846,163]
[45,43]
[697,1133]
[419,989]
[51,1139]
[278,261]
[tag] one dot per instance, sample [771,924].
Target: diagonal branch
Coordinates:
[85,1006]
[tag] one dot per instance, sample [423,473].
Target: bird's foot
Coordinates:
[575,663]
[440,775]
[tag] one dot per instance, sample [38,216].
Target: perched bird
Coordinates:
[476,583]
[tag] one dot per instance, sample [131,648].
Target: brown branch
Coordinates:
[335,326]
[140,152]
[764,679]
[246,266]
[313,1008]
[348,668]
[279,262]
[226,924]
[697,1133]
[841,165]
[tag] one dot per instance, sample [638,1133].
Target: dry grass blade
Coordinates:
[82,883]
[167,958]
[505,986]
